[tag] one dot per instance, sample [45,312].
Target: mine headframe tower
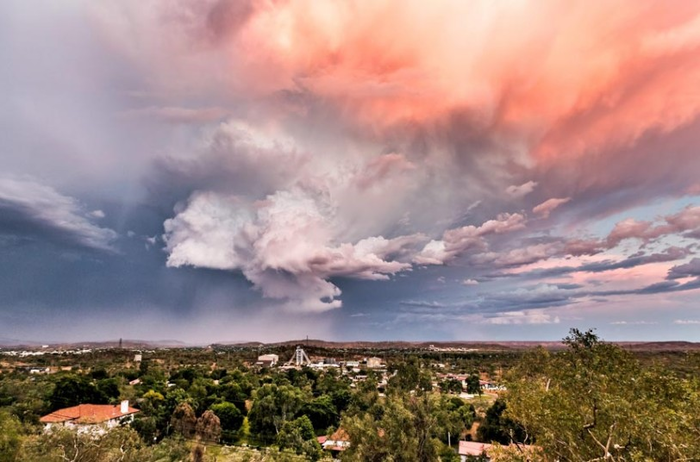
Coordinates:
[299,359]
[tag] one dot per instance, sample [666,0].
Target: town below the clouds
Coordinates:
[351,401]
[452,193]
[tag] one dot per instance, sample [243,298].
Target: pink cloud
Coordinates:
[456,242]
[548,206]
[687,219]
[568,80]
[561,95]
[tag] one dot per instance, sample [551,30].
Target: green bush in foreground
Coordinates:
[594,401]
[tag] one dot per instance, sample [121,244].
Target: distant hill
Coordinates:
[8,342]
[480,345]
[126,343]
[660,346]
[355,345]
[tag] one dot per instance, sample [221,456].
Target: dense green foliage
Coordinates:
[73,390]
[298,435]
[230,418]
[588,401]
[10,436]
[594,401]
[496,427]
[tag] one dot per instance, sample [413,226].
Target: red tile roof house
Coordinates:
[338,441]
[94,418]
[472,448]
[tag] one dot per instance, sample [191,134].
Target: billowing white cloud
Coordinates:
[286,245]
[205,233]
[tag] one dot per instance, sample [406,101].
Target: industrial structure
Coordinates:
[299,359]
[268,360]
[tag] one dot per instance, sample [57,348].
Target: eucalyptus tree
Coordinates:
[595,402]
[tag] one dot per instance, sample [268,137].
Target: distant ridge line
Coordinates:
[482,345]
[360,344]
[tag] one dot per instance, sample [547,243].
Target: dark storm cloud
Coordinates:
[670,254]
[690,269]
[525,305]
[539,296]
[233,158]
[32,211]
[524,298]
[661,287]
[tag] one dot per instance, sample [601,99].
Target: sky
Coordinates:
[239,170]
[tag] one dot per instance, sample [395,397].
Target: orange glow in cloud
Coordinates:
[568,78]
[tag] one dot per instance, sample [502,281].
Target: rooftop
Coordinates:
[472,448]
[87,414]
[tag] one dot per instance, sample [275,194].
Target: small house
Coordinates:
[90,418]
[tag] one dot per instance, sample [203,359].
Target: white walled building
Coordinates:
[267,360]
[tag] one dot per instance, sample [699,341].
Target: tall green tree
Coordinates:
[231,420]
[454,416]
[498,428]
[232,392]
[405,432]
[321,412]
[407,376]
[298,435]
[594,401]
[73,390]
[10,437]
[473,385]
[273,406]
[451,386]
[109,388]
